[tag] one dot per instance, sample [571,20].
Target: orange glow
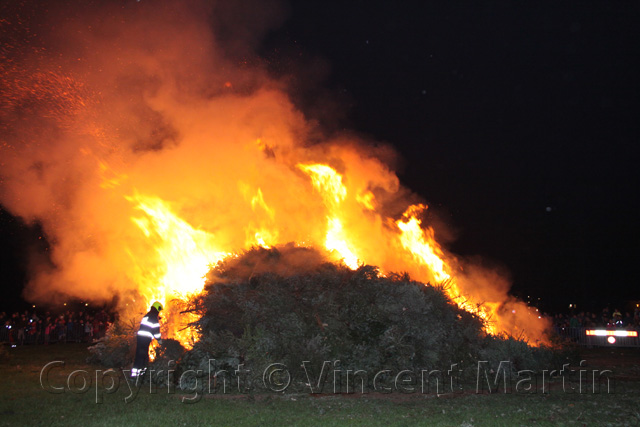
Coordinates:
[366,199]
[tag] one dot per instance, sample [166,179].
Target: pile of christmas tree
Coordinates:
[289,306]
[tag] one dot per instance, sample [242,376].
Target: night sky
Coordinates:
[516,121]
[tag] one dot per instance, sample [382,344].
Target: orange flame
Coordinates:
[329,183]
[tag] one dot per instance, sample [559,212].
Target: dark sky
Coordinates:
[517,122]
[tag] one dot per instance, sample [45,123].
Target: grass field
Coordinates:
[24,401]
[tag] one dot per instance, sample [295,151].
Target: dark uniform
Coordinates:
[149,329]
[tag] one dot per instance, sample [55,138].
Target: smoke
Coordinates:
[115,117]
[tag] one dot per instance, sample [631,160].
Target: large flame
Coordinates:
[148,156]
[329,183]
[182,254]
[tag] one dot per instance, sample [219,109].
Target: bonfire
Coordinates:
[148,157]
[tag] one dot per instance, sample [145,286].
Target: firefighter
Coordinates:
[149,330]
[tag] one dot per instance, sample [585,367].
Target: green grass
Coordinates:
[24,402]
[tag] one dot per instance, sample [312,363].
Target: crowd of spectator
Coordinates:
[605,319]
[90,325]
[30,327]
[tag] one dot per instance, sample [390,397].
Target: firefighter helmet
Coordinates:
[157,305]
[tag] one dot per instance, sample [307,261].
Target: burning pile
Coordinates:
[288,305]
[148,156]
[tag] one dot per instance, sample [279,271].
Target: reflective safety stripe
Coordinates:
[137,372]
[157,336]
[145,321]
[146,334]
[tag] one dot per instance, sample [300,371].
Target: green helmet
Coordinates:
[157,305]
